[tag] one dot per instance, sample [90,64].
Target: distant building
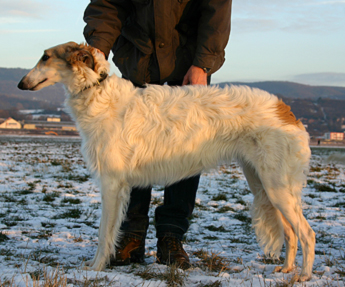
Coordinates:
[10,124]
[29,127]
[53,120]
[334,136]
[50,125]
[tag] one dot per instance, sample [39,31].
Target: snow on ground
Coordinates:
[50,211]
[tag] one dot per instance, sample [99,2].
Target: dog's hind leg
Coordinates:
[115,198]
[290,246]
[293,214]
[286,200]
[266,219]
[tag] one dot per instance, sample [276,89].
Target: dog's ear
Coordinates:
[83,56]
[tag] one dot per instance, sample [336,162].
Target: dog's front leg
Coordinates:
[115,198]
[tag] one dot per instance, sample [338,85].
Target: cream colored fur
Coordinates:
[161,134]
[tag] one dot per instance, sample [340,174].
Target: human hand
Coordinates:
[99,51]
[195,76]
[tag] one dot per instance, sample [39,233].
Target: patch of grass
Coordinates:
[3,237]
[55,278]
[45,234]
[323,187]
[70,200]
[339,204]
[157,201]
[341,271]
[271,261]
[212,261]
[200,206]
[214,228]
[237,240]
[172,275]
[24,192]
[310,182]
[212,238]
[213,284]
[224,209]
[78,178]
[220,196]
[320,217]
[56,162]
[9,198]
[50,197]
[71,213]
[13,220]
[241,201]
[242,217]
[48,224]
[315,168]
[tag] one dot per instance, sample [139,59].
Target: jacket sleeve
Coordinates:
[104,20]
[213,32]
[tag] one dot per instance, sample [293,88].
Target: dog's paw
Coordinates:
[303,278]
[283,269]
[88,262]
[86,268]
[93,267]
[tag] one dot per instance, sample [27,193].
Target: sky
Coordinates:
[298,40]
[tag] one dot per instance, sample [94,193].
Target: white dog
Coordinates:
[161,134]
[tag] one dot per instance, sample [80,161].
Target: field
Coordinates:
[50,211]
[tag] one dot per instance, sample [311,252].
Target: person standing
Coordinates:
[177,42]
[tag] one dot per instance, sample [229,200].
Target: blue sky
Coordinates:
[296,40]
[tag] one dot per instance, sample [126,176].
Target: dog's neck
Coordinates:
[103,76]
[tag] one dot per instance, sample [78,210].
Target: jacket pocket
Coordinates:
[132,62]
[138,37]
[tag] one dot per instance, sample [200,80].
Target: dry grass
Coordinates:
[212,261]
[40,278]
[173,276]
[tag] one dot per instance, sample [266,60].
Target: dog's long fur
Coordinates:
[161,134]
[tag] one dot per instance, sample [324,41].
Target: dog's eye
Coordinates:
[45,57]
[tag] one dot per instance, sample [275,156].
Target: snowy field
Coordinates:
[50,212]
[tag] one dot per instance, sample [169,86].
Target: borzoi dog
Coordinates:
[160,135]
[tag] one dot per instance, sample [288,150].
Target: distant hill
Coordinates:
[53,96]
[294,90]
[322,108]
[11,96]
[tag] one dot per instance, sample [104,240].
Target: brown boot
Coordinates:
[130,250]
[170,251]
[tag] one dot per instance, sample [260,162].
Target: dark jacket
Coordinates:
[159,38]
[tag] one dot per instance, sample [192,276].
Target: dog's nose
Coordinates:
[21,85]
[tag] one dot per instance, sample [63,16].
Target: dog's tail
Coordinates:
[267,223]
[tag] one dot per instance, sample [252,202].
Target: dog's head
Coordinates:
[76,66]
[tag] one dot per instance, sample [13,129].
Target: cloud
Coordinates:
[23,9]
[320,79]
[311,16]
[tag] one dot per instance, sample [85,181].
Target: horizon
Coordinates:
[241,82]
[294,42]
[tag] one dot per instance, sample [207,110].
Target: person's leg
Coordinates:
[179,200]
[131,248]
[137,219]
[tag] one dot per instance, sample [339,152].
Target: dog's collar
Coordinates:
[99,81]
